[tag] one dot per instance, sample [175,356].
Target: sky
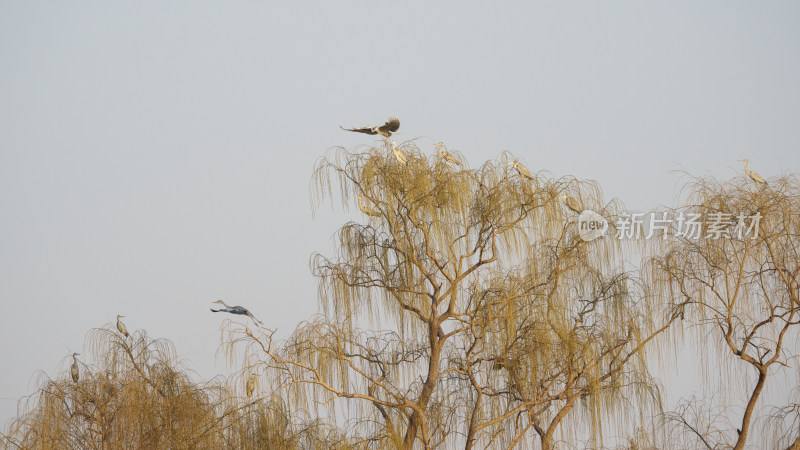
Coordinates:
[156,156]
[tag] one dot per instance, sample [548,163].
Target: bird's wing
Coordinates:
[367,130]
[393,124]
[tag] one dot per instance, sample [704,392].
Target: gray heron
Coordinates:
[522,170]
[238,310]
[366,209]
[251,384]
[121,327]
[445,155]
[74,369]
[384,130]
[399,154]
[753,176]
[571,203]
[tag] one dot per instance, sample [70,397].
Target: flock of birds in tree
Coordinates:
[123,330]
[393,124]
[385,130]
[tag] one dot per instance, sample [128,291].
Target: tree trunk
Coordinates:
[748,412]
[417,419]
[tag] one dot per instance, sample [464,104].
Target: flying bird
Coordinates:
[238,310]
[384,130]
[445,155]
[399,154]
[74,368]
[753,176]
[366,209]
[522,170]
[121,327]
[571,203]
[251,384]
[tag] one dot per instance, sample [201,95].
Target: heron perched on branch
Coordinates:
[522,170]
[74,369]
[399,154]
[239,310]
[366,209]
[571,203]
[384,130]
[121,327]
[753,176]
[445,155]
[251,384]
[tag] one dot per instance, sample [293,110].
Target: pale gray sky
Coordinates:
[156,156]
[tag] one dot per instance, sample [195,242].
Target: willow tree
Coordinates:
[464,309]
[134,393]
[738,267]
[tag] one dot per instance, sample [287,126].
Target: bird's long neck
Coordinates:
[746,166]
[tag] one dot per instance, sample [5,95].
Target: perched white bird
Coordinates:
[251,384]
[238,310]
[399,154]
[445,155]
[384,130]
[366,209]
[571,203]
[753,176]
[522,170]
[121,327]
[74,368]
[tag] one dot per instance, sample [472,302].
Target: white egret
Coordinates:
[366,209]
[571,203]
[238,310]
[399,154]
[445,155]
[522,170]
[121,327]
[753,176]
[74,368]
[384,130]
[251,384]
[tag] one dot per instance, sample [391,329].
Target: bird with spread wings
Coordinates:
[385,130]
[238,310]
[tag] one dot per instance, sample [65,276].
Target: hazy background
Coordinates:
[156,156]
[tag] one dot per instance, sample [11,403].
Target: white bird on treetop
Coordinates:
[445,155]
[399,154]
[522,170]
[753,176]
[121,327]
[251,384]
[385,130]
[74,368]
